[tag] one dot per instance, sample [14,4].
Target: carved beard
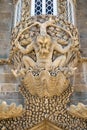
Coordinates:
[44,45]
[44,51]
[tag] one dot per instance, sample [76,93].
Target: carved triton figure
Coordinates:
[43,48]
[45,62]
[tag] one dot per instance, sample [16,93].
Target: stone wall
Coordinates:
[9,91]
[80,77]
[6,13]
[82,24]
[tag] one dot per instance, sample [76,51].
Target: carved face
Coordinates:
[44,44]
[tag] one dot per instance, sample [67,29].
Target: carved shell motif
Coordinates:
[44,84]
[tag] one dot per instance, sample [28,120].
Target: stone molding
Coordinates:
[45,125]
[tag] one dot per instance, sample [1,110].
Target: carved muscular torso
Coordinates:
[44,51]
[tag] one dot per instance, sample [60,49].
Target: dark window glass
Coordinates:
[49,7]
[38,7]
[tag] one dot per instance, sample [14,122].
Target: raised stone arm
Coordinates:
[26,50]
[43,26]
[60,49]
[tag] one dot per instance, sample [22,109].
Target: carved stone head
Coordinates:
[44,43]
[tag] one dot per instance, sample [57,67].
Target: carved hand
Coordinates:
[18,45]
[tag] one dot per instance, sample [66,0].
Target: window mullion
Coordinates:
[54,7]
[43,6]
[70,11]
[17,13]
[73,14]
[20,9]
[32,7]
[15,18]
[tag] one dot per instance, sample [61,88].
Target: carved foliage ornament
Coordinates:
[80,110]
[10,111]
[45,63]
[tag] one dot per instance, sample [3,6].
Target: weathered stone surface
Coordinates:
[83,42]
[9,89]
[10,95]
[82,24]
[79,97]
[6,14]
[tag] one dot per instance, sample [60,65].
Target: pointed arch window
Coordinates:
[39,7]
[70,11]
[18,10]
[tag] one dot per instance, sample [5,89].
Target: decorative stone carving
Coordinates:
[3,128]
[44,83]
[43,61]
[40,78]
[10,111]
[46,125]
[80,110]
[4,61]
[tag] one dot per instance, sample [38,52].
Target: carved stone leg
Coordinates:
[14,72]
[28,62]
[59,62]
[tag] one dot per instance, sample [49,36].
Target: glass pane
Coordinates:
[38,7]
[70,13]
[19,5]
[49,7]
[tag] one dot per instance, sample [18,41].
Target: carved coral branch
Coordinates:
[80,110]
[10,111]
[4,61]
